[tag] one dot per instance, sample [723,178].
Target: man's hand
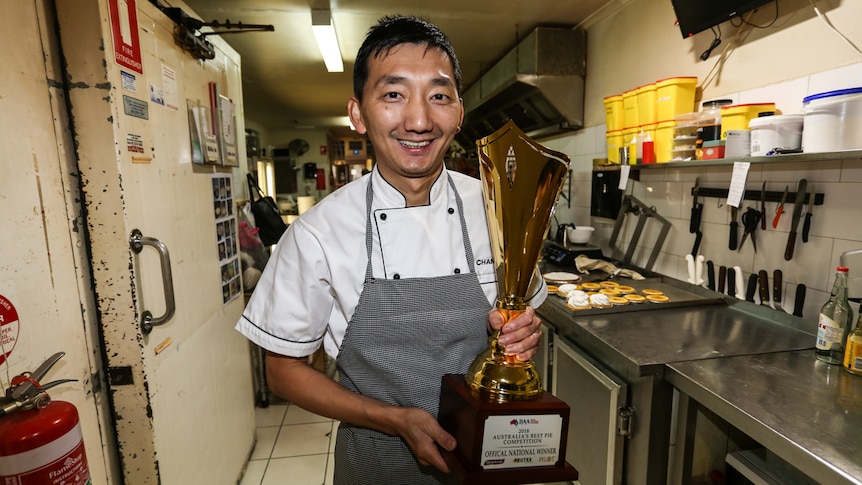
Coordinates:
[423,434]
[519,336]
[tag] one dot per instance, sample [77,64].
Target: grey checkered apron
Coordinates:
[404,336]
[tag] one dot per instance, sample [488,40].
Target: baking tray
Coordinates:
[681,294]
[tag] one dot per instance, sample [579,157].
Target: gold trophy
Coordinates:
[508,429]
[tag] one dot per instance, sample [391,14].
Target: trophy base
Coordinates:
[505,443]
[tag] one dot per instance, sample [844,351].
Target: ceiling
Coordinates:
[286,85]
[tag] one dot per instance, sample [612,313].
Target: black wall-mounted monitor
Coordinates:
[695,16]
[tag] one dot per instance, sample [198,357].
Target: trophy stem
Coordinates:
[496,376]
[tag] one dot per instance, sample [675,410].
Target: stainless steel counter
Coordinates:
[806,412]
[642,341]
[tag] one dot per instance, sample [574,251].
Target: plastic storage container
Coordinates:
[646,104]
[674,96]
[736,117]
[685,134]
[615,141]
[630,109]
[832,121]
[769,132]
[664,140]
[709,123]
[614,113]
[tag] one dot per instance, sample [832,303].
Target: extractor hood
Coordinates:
[539,85]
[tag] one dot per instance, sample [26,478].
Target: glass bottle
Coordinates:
[834,323]
[853,350]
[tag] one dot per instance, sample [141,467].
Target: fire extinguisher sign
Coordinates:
[8,328]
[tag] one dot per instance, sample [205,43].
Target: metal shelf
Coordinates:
[788,158]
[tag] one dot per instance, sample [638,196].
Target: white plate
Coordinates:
[561,277]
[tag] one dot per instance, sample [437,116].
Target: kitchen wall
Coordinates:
[636,43]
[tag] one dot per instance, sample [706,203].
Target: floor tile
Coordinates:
[254,472]
[303,439]
[272,415]
[301,470]
[265,441]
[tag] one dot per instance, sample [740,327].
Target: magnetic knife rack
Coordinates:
[771,195]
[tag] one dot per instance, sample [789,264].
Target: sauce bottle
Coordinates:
[834,322]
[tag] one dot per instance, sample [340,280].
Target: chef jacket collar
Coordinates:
[390,197]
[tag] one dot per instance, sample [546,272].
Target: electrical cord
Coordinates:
[829,24]
[742,21]
[715,42]
[724,53]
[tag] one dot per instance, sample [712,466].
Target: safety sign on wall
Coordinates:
[8,328]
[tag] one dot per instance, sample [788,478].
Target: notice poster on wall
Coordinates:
[226,237]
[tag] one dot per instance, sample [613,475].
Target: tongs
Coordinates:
[25,391]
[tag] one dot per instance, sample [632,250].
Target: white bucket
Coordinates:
[833,121]
[770,132]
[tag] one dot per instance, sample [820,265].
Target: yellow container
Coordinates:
[646,104]
[614,112]
[737,116]
[674,96]
[630,140]
[630,109]
[664,140]
[615,141]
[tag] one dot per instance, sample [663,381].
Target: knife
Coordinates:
[734,229]
[799,302]
[763,207]
[696,209]
[752,287]
[731,282]
[710,275]
[689,259]
[740,285]
[777,289]
[722,274]
[763,283]
[697,238]
[797,213]
[780,209]
[807,224]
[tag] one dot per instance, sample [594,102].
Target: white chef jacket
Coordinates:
[311,285]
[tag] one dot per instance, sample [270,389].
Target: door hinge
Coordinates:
[625,419]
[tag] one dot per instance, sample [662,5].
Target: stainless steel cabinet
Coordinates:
[596,398]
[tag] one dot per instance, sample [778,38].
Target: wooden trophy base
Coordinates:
[518,443]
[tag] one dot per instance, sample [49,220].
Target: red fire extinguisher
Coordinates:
[40,440]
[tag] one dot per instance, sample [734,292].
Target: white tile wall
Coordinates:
[835,228]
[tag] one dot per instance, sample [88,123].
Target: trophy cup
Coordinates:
[509,430]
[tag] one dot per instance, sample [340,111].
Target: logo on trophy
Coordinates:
[509,430]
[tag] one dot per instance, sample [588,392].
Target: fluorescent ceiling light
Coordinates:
[324,32]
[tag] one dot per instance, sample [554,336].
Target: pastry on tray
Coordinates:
[657,298]
[618,300]
[578,300]
[564,289]
[599,300]
[608,284]
[610,292]
[590,286]
[635,298]
[625,289]
[649,291]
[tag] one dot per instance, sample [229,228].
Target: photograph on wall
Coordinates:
[227,115]
[226,234]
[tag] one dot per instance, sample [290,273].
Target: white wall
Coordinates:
[638,44]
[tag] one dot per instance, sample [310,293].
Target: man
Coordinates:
[392,273]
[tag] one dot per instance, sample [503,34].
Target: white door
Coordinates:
[181,394]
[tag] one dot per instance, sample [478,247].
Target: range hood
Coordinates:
[539,85]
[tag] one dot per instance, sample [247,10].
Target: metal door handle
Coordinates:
[137,241]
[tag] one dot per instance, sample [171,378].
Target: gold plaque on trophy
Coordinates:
[508,429]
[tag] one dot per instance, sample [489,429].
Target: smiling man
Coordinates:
[387,272]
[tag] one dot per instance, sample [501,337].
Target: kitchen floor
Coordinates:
[293,446]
